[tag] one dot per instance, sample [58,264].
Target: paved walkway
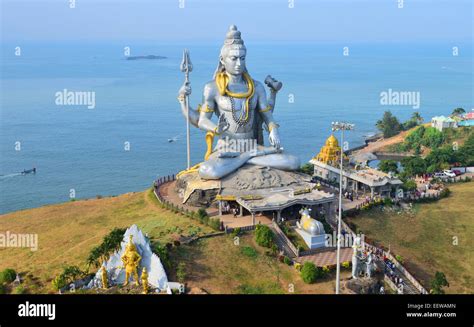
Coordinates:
[348,204]
[232,222]
[167,191]
[327,258]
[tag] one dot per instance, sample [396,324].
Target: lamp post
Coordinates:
[340,126]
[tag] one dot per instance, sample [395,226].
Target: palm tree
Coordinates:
[458,111]
[417,117]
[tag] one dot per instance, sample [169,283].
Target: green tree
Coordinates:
[415,138]
[389,125]
[264,236]
[307,168]
[439,281]
[466,152]
[417,117]
[413,166]
[409,185]
[458,111]
[388,166]
[432,138]
[443,157]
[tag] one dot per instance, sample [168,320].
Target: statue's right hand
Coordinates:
[185,90]
[222,125]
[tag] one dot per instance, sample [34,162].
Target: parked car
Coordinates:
[440,175]
[457,172]
[449,173]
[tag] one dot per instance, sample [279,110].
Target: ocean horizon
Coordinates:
[121,144]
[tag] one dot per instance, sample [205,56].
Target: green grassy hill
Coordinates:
[67,232]
[426,237]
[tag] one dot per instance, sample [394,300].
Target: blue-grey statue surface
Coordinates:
[243,112]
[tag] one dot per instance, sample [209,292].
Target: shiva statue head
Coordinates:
[233,53]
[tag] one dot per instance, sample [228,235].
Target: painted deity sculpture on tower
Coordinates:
[243,111]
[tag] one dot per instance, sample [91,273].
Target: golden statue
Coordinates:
[145,281]
[105,283]
[131,260]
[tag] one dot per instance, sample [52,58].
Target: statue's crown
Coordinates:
[233,36]
[130,244]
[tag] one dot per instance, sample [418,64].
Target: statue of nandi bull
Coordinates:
[309,224]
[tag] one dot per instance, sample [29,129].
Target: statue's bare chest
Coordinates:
[227,103]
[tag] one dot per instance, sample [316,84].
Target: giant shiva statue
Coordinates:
[242,108]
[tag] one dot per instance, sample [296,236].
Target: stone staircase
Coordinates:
[283,243]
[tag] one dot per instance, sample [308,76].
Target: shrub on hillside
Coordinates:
[346,264]
[309,273]
[387,201]
[181,272]
[445,193]
[264,236]
[201,213]
[214,223]
[20,289]
[69,274]
[438,283]
[325,271]
[236,232]
[162,252]
[249,251]
[110,243]
[7,276]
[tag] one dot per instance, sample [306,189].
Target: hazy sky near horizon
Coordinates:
[259,20]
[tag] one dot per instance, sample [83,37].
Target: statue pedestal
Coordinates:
[312,241]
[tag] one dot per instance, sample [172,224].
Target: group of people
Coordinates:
[366,201]
[390,273]
[350,196]
[389,267]
[227,209]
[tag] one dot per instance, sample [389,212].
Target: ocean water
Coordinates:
[83,149]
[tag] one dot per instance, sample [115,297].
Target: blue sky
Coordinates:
[259,20]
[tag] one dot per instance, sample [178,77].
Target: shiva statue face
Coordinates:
[233,59]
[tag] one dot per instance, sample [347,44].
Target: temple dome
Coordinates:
[329,153]
[332,141]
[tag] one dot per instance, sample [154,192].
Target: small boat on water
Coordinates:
[29,171]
